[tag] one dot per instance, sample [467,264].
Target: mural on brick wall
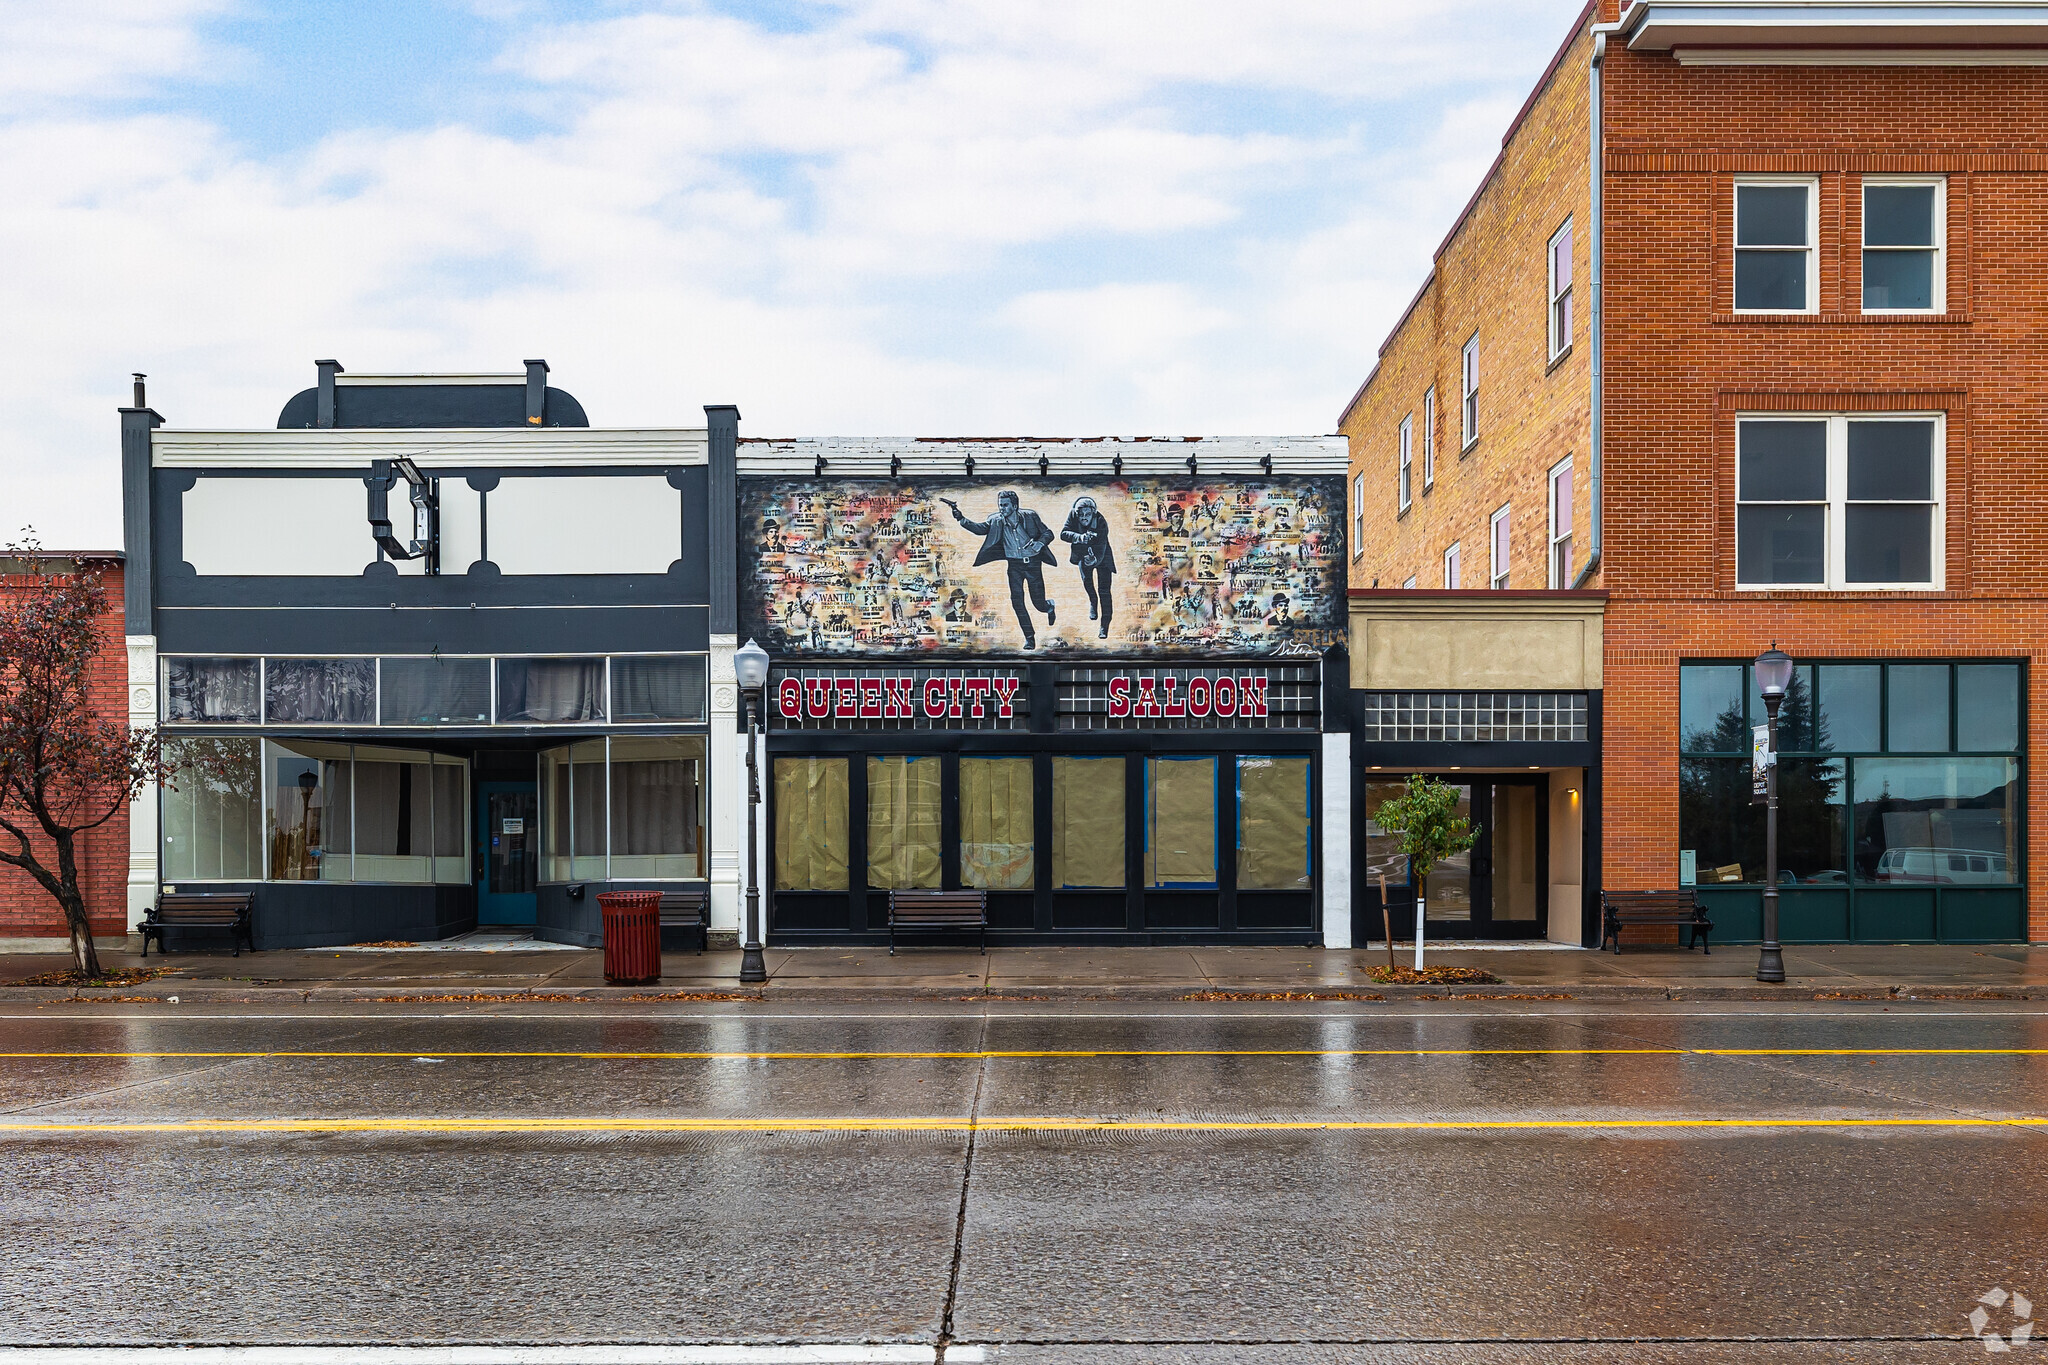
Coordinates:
[979,566]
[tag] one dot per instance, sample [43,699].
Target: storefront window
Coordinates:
[550,691]
[1087,822]
[319,691]
[1987,706]
[572,791]
[1384,860]
[997,851]
[1916,712]
[1449,888]
[1180,823]
[212,691]
[1273,824]
[1710,709]
[434,691]
[1718,821]
[810,824]
[1848,708]
[213,810]
[1946,821]
[903,822]
[309,811]
[393,816]
[658,688]
[657,808]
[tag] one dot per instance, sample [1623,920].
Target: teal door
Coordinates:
[509,835]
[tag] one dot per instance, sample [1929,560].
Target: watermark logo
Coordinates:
[2019,1319]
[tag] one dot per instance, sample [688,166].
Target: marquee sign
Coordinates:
[1150,695]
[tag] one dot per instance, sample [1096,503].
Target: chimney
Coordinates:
[536,392]
[323,410]
[141,400]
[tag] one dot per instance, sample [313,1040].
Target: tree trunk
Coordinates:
[85,955]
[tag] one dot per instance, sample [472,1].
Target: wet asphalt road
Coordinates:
[1553,1183]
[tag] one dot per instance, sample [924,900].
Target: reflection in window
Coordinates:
[657,688]
[1916,711]
[550,691]
[572,793]
[1987,706]
[903,822]
[1449,890]
[1273,824]
[1087,821]
[309,811]
[1710,709]
[435,691]
[1849,708]
[320,691]
[212,691]
[1724,830]
[1383,855]
[212,810]
[810,824]
[997,851]
[657,807]
[1180,822]
[1942,821]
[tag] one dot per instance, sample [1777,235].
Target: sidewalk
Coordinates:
[516,970]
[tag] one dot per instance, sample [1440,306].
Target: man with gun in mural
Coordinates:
[1020,539]
[1087,530]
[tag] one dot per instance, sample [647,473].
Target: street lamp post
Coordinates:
[750,667]
[1773,676]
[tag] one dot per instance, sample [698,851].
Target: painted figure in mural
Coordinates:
[1087,530]
[1279,616]
[1020,540]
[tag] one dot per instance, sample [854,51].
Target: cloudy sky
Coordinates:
[862,217]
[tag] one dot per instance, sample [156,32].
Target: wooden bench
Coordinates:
[688,910]
[231,911]
[1618,908]
[936,912]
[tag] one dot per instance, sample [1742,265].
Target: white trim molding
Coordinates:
[1065,457]
[430,447]
[142,811]
[1727,26]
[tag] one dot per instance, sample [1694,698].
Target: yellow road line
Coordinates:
[283,1054]
[1051,1124]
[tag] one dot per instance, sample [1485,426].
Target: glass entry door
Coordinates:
[509,836]
[1496,889]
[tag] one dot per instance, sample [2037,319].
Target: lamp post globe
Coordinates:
[750,670]
[1773,669]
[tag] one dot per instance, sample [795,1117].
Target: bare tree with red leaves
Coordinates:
[63,769]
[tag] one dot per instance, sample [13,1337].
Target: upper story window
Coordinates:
[1498,535]
[1429,438]
[1407,461]
[1451,565]
[1357,515]
[1838,502]
[1560,252]
[1776,223]
[1560,500]
[1469,372]
[1409,583]
[1903,232]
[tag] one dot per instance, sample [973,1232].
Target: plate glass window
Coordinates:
[550,691]
[1774,253]
[1273,817]
[811,840]
[903,821]
[213,809]
[1469,370]
[1498,538]
[1087,821]
[434,691]
[1180,823]
[1902,247]
[1561,291]
[1560,484]
[213,691]
[320,691]
[1407,458]
[997,848]
[658,687]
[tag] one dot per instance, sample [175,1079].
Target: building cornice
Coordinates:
[491,447]
[1091,457]
[1718,30]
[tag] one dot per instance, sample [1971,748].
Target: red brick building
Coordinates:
[1773,375]
[30,919]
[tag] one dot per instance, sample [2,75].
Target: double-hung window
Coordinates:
[1407,461]
[1903,231]
[1451,566]
[1469,378]
[1498,536]
[1838,502]
[1776,223]
[1357,515]
[1560,253]
[1429,438]
[1560,499]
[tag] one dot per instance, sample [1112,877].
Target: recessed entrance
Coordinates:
[1498,889]
[508,835]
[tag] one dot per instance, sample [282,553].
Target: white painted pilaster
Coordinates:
[728,799]
[142,811]
[1337,841]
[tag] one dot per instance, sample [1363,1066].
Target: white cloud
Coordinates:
[921,217]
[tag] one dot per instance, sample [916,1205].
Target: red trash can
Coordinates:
[632,937]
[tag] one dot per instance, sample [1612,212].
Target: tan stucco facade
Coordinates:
[1476,641]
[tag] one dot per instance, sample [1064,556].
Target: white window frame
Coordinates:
[1560,337]
[1812,247]
[1407,462]
[1498,578]
[1357,514]
[1409,586]
[1560,523]
[1468,389]
[1429,438]
[1940,184]
[1835,545]
[1452,554]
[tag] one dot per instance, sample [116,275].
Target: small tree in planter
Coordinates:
[1426,817]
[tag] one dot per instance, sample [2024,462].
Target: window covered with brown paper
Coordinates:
[810,824]
[996,848]
[903,822]
[1272,824]
[1088,822]
[1180,822]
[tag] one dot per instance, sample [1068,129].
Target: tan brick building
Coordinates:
[1773,376]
